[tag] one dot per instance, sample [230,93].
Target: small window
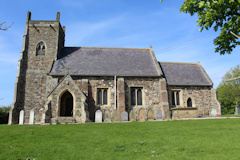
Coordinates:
[99,96]
[136,96]
[102,96]
[189,102]
[139,97]
[105,96]
[133,97]
[177,95]
[175,98]
[40,49]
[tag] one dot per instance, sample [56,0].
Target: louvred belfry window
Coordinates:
[40,49]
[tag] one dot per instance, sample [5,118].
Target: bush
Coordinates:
[4,111]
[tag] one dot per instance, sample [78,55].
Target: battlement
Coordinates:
[54,25]
[29,14]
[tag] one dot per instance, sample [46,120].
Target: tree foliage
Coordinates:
[4,111]
[229,92]
[219,14]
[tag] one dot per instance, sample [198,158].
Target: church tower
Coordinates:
[42,42]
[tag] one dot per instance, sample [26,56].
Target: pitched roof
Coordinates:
[185,74]
[105,62]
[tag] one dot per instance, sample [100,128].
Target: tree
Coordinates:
[229,92]
[6,27]
[219,14]
[4,111]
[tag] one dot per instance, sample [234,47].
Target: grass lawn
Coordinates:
[189,139]
[230,115]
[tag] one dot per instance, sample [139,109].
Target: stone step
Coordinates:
[64,120]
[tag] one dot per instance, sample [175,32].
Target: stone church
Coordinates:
[58,84]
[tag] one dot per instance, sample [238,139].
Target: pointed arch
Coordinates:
[41,48]
[66,104]
[189,102]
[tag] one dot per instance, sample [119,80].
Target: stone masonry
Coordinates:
[69,84]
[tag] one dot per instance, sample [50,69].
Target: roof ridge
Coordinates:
[107,48]
[181,62]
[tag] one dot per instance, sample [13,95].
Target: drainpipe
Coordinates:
[115,91]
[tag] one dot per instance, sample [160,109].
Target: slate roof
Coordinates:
[105,62]
[185,74]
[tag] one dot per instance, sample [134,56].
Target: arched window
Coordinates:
[139,97]
[105,96]
[99,96]
[175,98]
[133,97]
[40,49]
[189,102]
[136,96]
[102,96]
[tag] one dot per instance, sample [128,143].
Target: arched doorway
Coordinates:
[189,102]
[66,105]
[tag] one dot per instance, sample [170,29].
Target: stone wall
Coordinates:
[154,94]
[202,98]
[93,84]
[153,97]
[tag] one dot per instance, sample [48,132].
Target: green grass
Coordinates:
[189,139]
[230,115]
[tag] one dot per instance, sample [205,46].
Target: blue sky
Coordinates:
[174,36]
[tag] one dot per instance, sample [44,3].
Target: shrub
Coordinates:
[4,111]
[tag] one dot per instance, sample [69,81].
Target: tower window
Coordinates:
[40,49]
